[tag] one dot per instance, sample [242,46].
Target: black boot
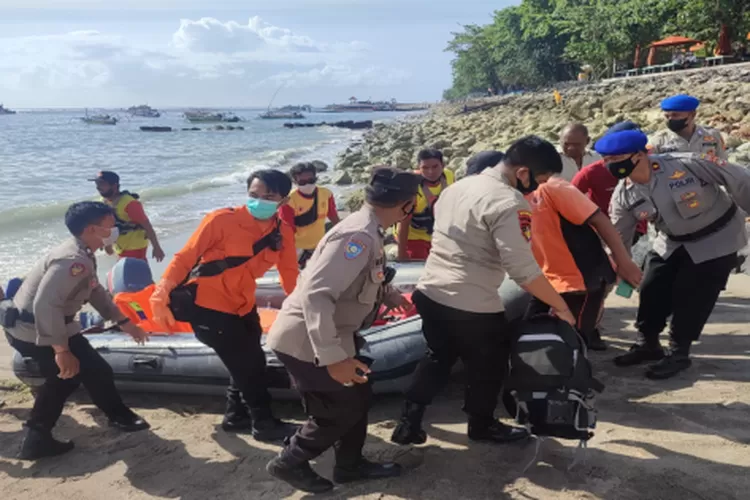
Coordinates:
[299,476]
[482,429]
[268,428]
[365,470]
[237,416]
[128,422]
[409,429]
[39,443]
[640,353]
[595,342]
[676,360]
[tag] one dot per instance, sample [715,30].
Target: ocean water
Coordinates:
[46,158]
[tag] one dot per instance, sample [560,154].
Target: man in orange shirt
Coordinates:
[232,248]
[567,230]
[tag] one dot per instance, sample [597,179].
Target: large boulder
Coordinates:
[342,178]
[355,200]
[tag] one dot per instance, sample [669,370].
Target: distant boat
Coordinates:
[208,117]
[144,111]
[6,111]
[281,115]
[103,119]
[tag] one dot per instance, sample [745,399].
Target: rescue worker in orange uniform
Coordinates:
[232,248]
[133,226]
[415,232]
[307,210]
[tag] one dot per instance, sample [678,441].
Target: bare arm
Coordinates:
[403,238]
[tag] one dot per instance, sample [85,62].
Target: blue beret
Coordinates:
[622,142]
[625,125]
[682,102]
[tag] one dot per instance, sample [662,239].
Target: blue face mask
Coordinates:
[262,209]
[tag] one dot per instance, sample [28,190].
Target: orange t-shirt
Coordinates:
[565,246]
[231,232]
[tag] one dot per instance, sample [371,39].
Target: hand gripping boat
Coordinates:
[179,363]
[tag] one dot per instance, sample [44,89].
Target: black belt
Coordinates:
[710,229]
[28,317]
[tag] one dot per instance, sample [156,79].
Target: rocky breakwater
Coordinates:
[494,124]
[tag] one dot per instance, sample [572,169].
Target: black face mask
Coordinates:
[533,184]
[621,169]
[677,125]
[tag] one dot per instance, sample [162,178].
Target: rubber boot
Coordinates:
[409,429]
[483,429]
[268,428]
[38,443]
[640,353]
[237,416]
[676,360]
[299,476]
[364,470]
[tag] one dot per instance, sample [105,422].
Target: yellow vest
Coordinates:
[132,236]
[423,208]
[310,225]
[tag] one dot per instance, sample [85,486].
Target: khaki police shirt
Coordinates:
[704,140]
[338,290]
[570,167]
[57,287]
[482,230]
[686,193]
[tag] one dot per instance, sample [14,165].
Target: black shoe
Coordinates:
[39,444]
[238,424]
[496,431]
[639,354]
[366,470]
[409,429]
[300,477]
[669,366]
[595,342]
[272,429]
[128,423]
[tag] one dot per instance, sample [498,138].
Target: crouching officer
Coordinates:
[315,336]
[700,231]
[39,323]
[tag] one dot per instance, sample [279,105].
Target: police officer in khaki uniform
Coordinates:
[682,134]
[693,202]
[42,315]
[315,336]
[482,231]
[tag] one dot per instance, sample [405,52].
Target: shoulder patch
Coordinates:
[524,220]
[76,269]
[354,249]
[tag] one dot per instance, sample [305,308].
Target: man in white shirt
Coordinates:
[574,141]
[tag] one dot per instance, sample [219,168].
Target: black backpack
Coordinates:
[550,388]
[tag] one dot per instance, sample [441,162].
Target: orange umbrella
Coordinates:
[671,41]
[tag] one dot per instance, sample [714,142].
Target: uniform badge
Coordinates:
[711,156]
[693,204]
[709,138]
[643,215]
[678,174]
[76,269]
[353,249]
[524,220]
[655,166]
[687,196]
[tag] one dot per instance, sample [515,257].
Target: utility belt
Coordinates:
[715,226]
[182,298]
[10,315]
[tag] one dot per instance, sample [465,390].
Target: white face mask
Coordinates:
[307,189]
[112,238]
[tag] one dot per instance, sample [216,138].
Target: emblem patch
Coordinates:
[687,196]
[678,174]
[693,204]
[76,269]
[524,220]
[655,166]
[353,249]
[643,215]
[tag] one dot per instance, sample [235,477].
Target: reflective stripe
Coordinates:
[539,337]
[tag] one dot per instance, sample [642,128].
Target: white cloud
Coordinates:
[204,55]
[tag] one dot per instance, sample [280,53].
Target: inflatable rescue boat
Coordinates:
[179,363]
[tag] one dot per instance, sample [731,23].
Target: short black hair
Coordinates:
[301,168]
[538,155]
[81,215]
[390,187]
[430,154]
[276,182]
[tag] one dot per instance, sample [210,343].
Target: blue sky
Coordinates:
[114,53]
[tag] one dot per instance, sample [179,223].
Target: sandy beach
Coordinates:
[682,439]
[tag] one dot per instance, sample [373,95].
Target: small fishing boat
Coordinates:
[199,116]
[6,111]
[103,119]
[281,115]
[144,111]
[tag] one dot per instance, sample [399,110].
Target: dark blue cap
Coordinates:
[620,143]
[624,125]
[682,102]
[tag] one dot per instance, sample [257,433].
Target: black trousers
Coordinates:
[585,307]
[336,415]
[481,341]
[236,340]
[680,288]
[95,374]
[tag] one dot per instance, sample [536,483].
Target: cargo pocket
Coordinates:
[690,200]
